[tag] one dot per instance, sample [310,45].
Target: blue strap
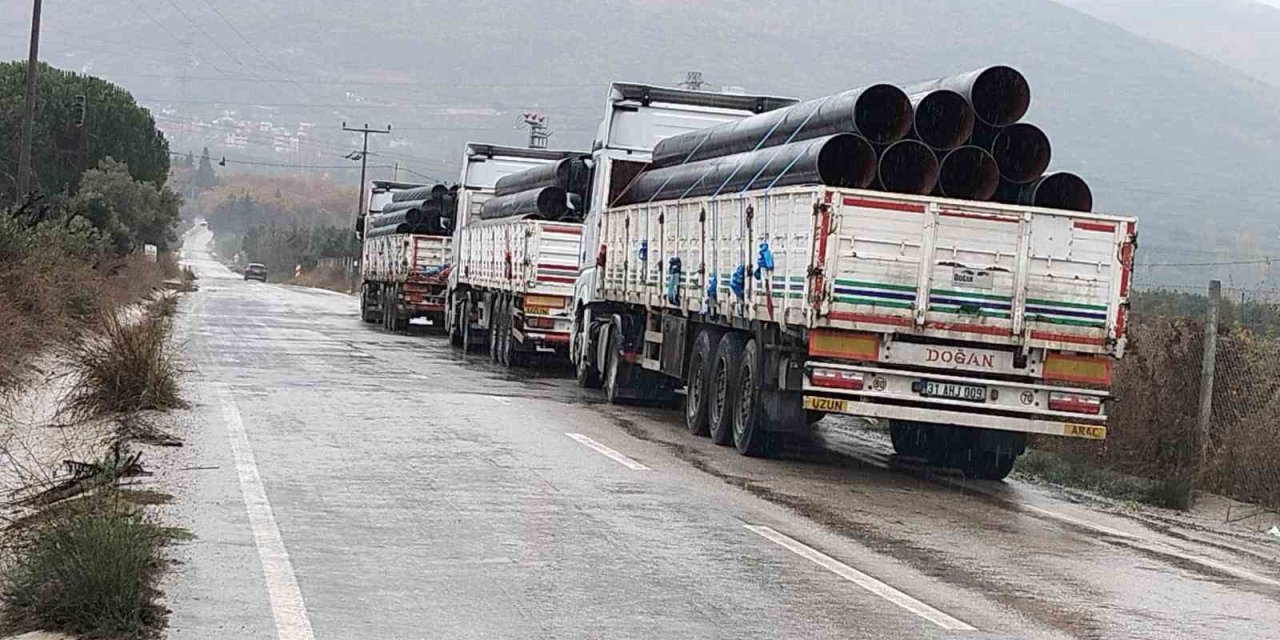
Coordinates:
[779,151]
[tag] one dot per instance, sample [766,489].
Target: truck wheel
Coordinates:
[989,465]
[724,386]
[586,373]
[698,386]
[495,327]
[615,370]
[905,437]
[366,315]
[749,435]
[456,336]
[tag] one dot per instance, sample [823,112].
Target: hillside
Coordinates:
[1187,144]
[1242,34]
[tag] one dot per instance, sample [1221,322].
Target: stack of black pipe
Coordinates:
[428,210]
[555,191]
[958,136]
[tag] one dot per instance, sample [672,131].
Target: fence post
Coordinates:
[1207,367]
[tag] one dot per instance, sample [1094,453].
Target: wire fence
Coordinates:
[1154,427]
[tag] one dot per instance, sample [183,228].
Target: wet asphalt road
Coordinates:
[342,482]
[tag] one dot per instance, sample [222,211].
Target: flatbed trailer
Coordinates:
[404,275]
[511,286]
[965,325]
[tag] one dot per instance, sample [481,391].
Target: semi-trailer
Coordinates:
[516,251]
[964,325]
[403,272]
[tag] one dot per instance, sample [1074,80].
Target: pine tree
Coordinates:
[205,176]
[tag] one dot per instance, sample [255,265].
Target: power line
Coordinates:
[265,58]
[225,161]
[199,28]
[1225,263]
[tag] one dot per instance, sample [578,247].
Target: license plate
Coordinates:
[829,405]
[966,392]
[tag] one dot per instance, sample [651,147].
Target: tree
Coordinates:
[205,176]
[127,212]
[116,125]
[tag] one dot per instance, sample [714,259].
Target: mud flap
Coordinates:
[783,411]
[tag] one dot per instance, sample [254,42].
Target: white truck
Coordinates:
[403,275]
[512,279]
[965,325]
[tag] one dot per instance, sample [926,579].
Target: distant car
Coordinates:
[255,271]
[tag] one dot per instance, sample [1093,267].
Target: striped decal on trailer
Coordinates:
[969,302]
[794,289]
[876,294]
[1075,314]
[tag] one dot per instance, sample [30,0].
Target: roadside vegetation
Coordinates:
[282,221]
[85,275]
[1152,450]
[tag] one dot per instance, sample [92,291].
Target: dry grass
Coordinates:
[331,278]
[90,569]
[1153,431]
[126,366]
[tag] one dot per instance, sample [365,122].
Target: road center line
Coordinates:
[617,457]
[287,607]
[861,579]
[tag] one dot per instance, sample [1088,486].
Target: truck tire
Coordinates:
[587,375]
[615,370]
[495,327]
[750,437]
[698,385]
[456,337]
[724,388]
[905,437]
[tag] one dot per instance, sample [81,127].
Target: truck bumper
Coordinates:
[936,416]
[881,392]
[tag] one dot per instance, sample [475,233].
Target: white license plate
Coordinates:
[967,392]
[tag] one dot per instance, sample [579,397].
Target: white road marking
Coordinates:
[617,457]
[287,607]
[862,580]
[499,399]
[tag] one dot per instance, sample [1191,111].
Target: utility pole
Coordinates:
[693,80]
[29,108]
[1207,370]
[364,161]
[538,132]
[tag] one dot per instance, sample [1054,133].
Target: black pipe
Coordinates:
[1021,150]
[394,206]
[570,174]
[416,215]
[841,160]
[549,202]
[1058,190]
[1000,95]
[968,173]
[880,113]
[420,193]
[908,166]
[942,119]
[423,229]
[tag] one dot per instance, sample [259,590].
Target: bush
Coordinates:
[91,570]
[127,366]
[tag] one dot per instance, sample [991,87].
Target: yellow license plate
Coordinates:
[1092,432]
[829,405]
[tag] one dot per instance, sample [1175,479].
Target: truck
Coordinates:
[403,275]
[511,285]
[965,326]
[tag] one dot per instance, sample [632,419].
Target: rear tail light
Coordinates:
[536,322]
[1075,403]
[836,379]
[1076,368]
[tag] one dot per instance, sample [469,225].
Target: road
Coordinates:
[342,482]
